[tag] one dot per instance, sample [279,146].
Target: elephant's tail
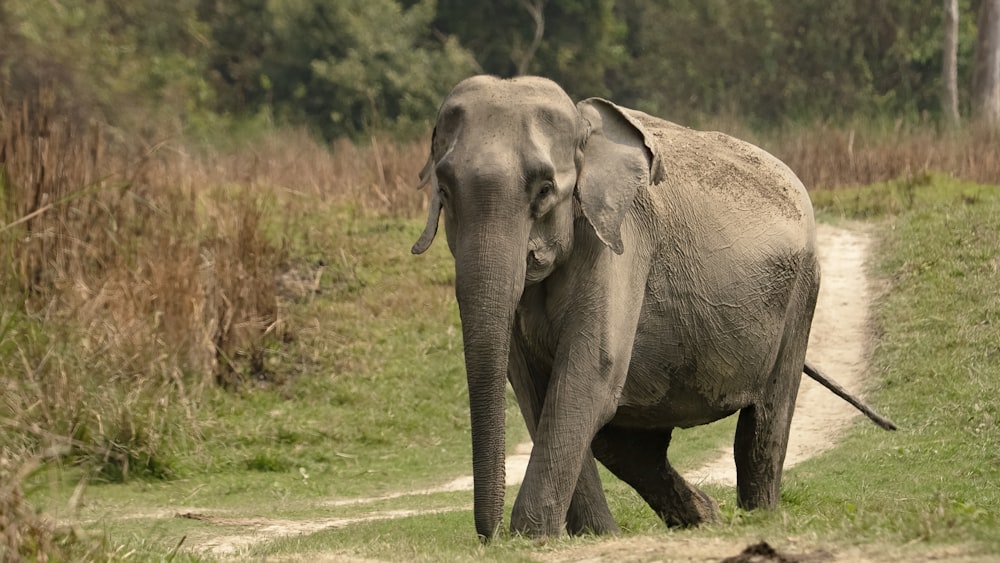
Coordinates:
[839,391]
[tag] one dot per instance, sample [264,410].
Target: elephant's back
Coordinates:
[733,234]
[734,172]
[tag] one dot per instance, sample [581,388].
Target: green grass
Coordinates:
[368,397]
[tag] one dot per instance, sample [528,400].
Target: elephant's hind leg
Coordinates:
[762,432]
[759,448]
[639,457]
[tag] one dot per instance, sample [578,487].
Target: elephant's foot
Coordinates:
[688,507]
[590,520]
[588,509]
[536,513]
[540,519]
[535,521]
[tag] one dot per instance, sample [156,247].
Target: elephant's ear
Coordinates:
[617,161]
[428,176]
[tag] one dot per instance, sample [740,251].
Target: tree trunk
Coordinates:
[986,66]
[537,10]
[949,72]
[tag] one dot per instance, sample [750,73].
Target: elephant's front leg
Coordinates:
[588,374]
[588,510]
[575,407]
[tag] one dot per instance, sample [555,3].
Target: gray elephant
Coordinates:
[629,276]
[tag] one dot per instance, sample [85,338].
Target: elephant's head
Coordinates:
[514,164]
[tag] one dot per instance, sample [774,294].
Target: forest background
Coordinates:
[346,67]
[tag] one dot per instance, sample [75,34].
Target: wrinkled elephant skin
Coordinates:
[629,276]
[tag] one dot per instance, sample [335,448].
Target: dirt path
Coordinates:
[839,344]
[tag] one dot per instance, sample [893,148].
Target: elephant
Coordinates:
[628,276]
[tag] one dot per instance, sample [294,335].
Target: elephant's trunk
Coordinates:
[489,279]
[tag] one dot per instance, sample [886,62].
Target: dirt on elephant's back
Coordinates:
[839,343]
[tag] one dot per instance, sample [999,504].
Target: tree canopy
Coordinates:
[345,67]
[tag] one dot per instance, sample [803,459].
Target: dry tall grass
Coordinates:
[130,289]
[828,157]
[25,535]
[138,276]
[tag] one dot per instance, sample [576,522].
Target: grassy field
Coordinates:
[374,403]
[199,346]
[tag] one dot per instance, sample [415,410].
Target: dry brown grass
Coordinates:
[828,157]
[379,177]
[107,235]
[24,534]
[139,275]
[131,288]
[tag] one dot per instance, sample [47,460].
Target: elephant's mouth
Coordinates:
[540,265]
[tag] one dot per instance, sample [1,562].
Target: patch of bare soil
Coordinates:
[763,553]
[701,550]
[688,550]
[261,529]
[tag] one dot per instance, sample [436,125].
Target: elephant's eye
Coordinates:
[543,203]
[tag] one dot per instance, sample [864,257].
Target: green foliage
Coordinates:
[241,31]
[344,68]
[348,67]
[769,61]
[127,60]
[581,48]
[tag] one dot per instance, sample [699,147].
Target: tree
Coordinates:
[577,43]
[537,10]
[767,61]
[241,31]
[986,65]
[137,62]
[349,66]
[949,65]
